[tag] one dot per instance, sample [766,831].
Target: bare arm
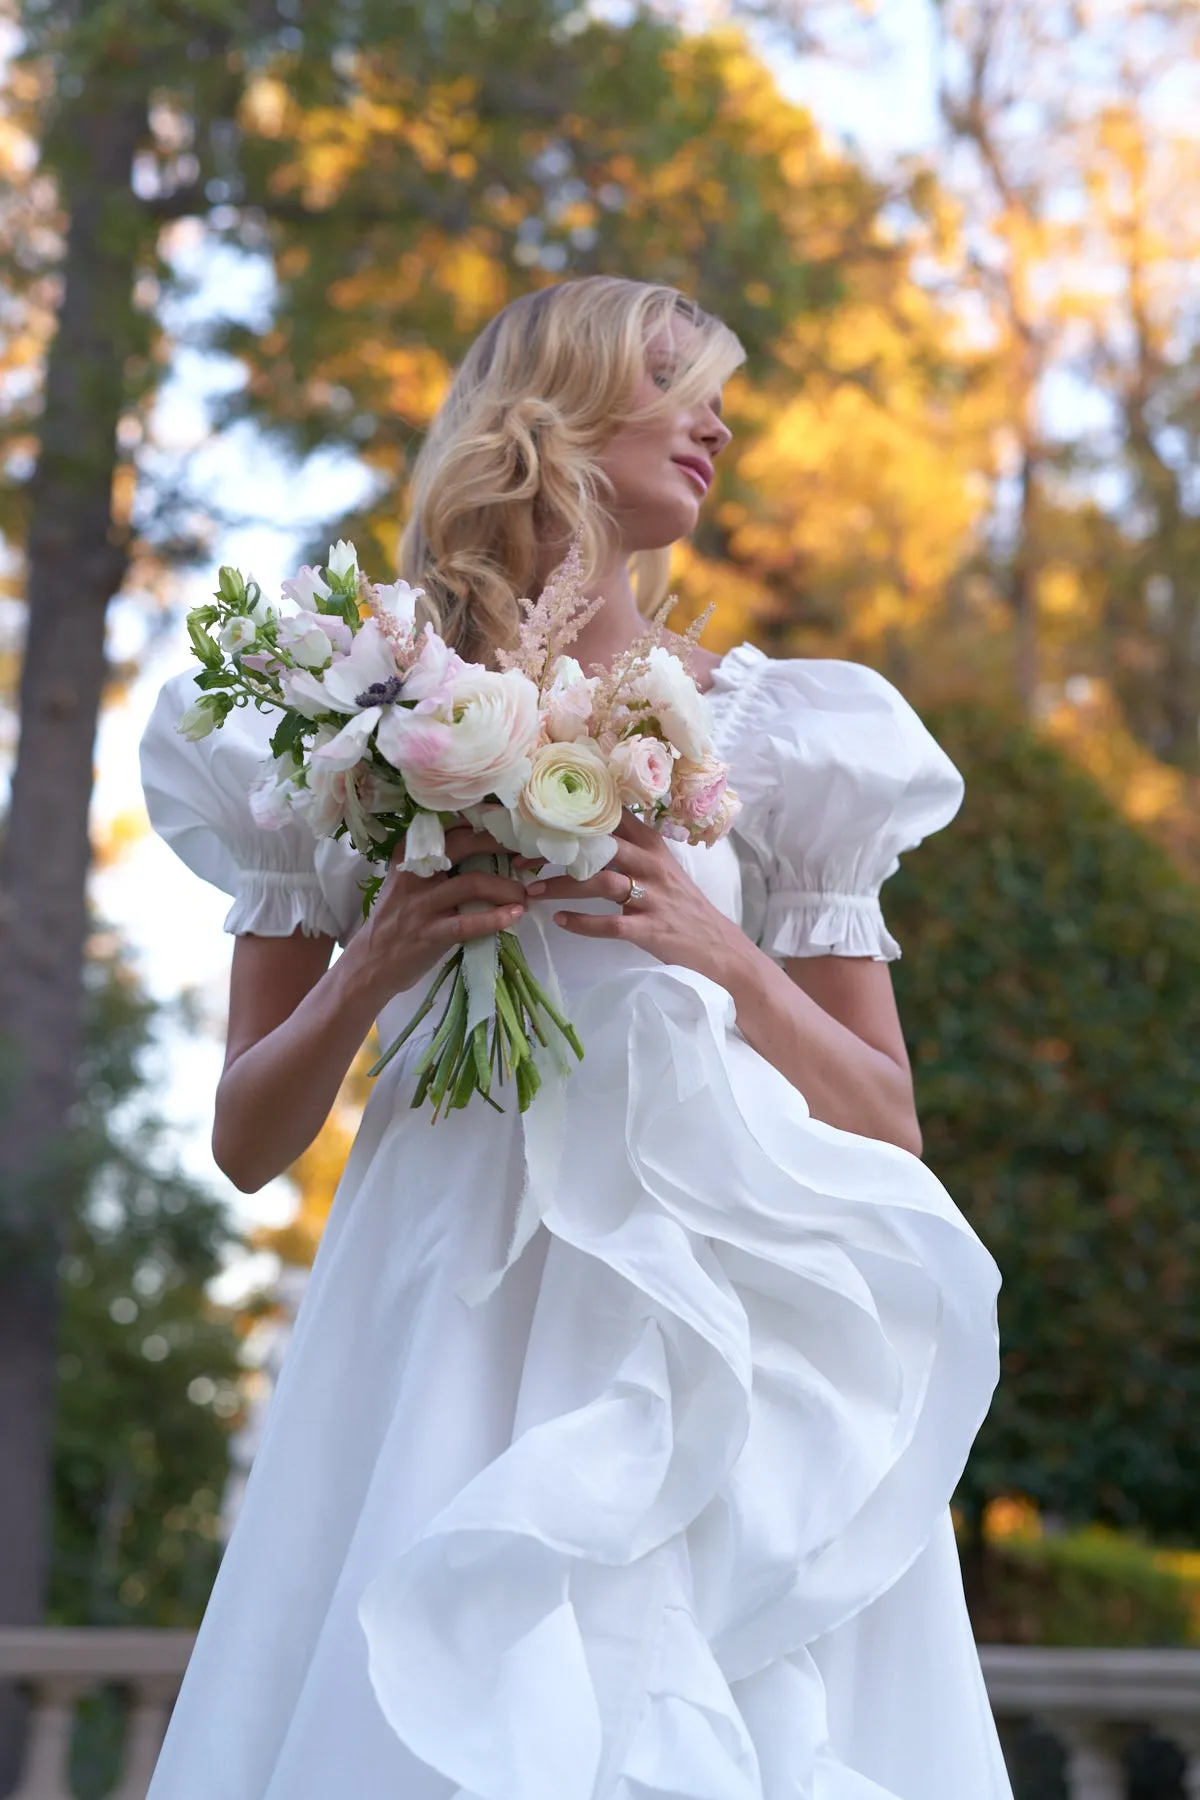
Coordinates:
[828,1024]
[295,1023]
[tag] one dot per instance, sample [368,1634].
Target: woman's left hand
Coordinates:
[662,909]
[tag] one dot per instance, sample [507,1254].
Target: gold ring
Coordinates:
[636,892]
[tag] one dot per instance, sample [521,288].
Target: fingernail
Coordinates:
[536,887]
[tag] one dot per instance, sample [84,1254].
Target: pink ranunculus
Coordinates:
[643,768]
[478,741]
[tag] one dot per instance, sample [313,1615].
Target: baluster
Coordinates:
[1187,1738]
[1095,1770]
[48,1747]
[150,1702]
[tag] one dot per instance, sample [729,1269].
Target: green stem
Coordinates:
[422,1012]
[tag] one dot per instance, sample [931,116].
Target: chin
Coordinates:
[658,526]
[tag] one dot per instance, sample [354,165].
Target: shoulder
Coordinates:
[832,736]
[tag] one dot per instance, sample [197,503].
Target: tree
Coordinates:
[1072,145]
[411,164]
[1051,998]
[148,1367]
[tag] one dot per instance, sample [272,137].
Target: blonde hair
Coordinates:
[510,458]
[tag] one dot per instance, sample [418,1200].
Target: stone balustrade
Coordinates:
[57,1668]
[1091,1700]
[1094,1701]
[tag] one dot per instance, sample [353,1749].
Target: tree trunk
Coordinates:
[76,562]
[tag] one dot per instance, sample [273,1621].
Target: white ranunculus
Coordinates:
[342,558]
[676,703]
[567,706]
[425,846]
[198,720]
[642,767]
[477,742]
[304,641]
[238,634]
[568,808]
[306,587]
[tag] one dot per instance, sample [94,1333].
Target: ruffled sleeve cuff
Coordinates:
[838,777]
[800,924]
[277,902]
[198,799]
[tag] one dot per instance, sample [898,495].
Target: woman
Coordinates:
[661,1509]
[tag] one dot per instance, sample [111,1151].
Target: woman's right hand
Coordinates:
[417,919]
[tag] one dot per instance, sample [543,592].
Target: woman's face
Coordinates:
[661,466]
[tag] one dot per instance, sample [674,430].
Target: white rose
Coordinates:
[477,742]
[676,703]
[343,557]
[567,706]
[306,588]
[199,719]
[568,807]
[238,634]
[642,767]
[425,846]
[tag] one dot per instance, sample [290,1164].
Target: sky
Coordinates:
[877,93]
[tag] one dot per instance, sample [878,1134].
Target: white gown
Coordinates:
[664,1516]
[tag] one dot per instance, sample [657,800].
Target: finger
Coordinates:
[596,925]
[636,831]
[609,884]
[462,928]
[464,841]
[494,890]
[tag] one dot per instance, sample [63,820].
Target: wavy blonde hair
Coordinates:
[510,459]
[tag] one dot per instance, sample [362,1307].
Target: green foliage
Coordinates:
[1086,1588]
[147,1365]
[1051,997]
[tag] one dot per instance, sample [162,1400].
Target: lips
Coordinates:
[698,467]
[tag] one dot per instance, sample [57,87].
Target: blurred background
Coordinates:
[241,248]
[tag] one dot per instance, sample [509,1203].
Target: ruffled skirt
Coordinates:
[664,1515]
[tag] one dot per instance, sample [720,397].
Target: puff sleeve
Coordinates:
[198,798]
[838,777]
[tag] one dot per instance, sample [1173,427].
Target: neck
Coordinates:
[618,622]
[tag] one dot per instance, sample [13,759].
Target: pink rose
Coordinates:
[643,767]
[697,789]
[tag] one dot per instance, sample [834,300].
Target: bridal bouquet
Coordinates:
[387,736]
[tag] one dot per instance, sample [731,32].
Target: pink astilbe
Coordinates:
[552,621]
[614,705]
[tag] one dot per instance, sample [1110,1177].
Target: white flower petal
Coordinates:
[349,746]
[425,846]
[342,558]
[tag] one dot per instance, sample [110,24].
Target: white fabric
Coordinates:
[197,796]
[837,777]
[662,1518]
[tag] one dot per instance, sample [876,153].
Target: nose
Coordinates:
[711,431]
